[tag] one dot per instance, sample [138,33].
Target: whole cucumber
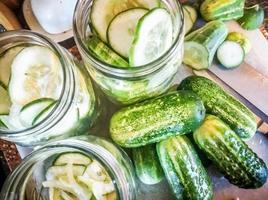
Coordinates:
[240,165]
[186,176]
[153,120]
[147,166]
[223,105]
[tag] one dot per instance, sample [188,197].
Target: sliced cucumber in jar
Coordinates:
[54,172]
[3,122]
[121,30]
[152,38]
[4,100]
[75,158]
[44,113]
[230,54]
[35,73]
[5,63]
[31,110]
[103,11]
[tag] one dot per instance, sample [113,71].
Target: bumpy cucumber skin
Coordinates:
[241,39]
[186,176]
[105,54]
[222,9]
[253,18]
[240,165]
[223,105]
[157,119]
[210,36]
[147,166]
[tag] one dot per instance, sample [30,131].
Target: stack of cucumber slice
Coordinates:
[130,33]
[74,175]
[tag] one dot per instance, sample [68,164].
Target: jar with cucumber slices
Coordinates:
[44,93]
[131,48]
[79,168]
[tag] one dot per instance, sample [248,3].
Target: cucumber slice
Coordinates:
[4,100]
[103,11]
[190,17]
[31,110]
[196,55]
[43,113]
[121,30]
[104,53]
[153,37]
[55,172]
[3,121]
[65,196]
[5,63]
[230,54]
[35,73]
[96,172]
[76,158]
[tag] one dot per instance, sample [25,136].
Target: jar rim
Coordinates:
[53,115]
[95,150]
[125,72]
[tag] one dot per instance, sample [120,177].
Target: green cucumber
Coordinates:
[230,54]
[147,166]
[5,64]
[75,158]
[223,105]
[190,17]
[186,176]
[240,165]
[253,18]
[241,39]
[103,11]
[4,100]
[157,119]
[44,113]
[152,38]
[222,9]
[3,123]
[121,30]
[105,54]
[30,111]
[200,46]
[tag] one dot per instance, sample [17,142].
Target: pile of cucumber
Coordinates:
[129,33]
[167,133]
[213,39]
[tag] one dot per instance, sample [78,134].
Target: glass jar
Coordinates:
[26,181]
[73,111]
[126,86]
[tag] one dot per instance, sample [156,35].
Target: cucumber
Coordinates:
[240,165]
[43,113]
[3,124]
[241,39]
[105,54]
[190,17]
[36,72]
[200,46]
[147,166]
[185,174]
[222,9]
[230,54]
[75,158]
[156,119]
[121,30]
[55,172]
[96,172]
[5,63]
[103,11]
[221,104]
[4,100]
[152,38]
[253,18]
[31,110]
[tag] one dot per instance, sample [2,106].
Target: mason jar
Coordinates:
[27,180]
[75,106]
[129,85]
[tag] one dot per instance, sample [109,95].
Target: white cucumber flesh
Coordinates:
[54,172]
[121,30]
[230,54]
[152,38]
[31,110]
[103,11]
[43,113]
[4,100]
[5,63]
[36,72]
